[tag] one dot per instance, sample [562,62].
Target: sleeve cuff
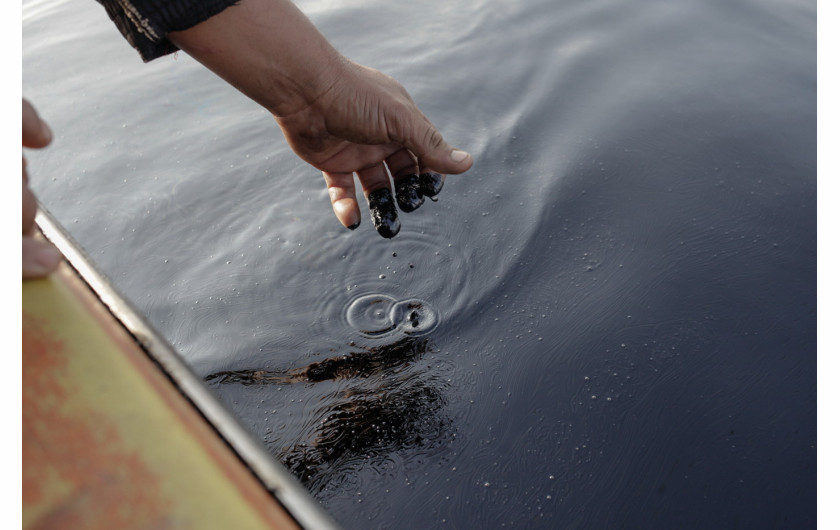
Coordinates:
[145,23]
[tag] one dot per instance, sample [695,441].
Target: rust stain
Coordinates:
[104,430]
[76,473]
[252,493]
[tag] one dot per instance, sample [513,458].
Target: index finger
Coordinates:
[342,191]
[36,133]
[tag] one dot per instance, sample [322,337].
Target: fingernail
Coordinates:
[458,156]
[355,218]
[40,259]
[431,184]
[409,196]
[48,257]
[383,212]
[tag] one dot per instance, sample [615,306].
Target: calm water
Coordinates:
[609,322]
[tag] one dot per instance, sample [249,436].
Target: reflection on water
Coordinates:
[389,407]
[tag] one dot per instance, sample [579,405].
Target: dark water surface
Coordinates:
[609,322]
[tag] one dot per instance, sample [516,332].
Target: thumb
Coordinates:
[432,150]
[39,258]
[36,132]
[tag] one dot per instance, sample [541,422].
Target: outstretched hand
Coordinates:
[39,257]
[367,124]
[341,117]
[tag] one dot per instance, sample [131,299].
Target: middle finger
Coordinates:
[376,185]
[404,169]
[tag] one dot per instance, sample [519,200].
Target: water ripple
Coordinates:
[376,315]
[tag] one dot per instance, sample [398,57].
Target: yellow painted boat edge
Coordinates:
[275,479]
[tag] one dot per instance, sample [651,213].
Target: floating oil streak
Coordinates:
[378,394]
[363,363]
[384,406]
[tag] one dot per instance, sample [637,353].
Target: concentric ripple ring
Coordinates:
[377,315]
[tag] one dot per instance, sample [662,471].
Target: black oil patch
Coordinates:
[409,196]
[383,212]
[431,184]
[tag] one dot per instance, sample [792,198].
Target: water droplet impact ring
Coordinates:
[377,315]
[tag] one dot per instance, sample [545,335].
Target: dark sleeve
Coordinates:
[145,23]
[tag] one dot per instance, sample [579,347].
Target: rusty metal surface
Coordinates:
[274,478]
[110,440]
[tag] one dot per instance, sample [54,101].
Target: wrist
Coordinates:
[268,50]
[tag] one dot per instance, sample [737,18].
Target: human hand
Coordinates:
[39,257]
[367,124]
[340,117]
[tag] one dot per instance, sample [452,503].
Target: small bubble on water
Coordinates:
[382,276]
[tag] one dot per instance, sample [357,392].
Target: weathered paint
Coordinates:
[108,441]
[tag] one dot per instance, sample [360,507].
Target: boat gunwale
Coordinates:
[278,481]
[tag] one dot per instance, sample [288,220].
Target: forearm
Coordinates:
[342,118]
[267,49]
